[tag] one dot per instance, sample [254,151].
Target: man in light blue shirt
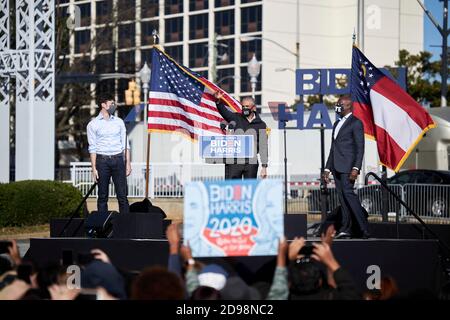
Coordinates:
[107,143]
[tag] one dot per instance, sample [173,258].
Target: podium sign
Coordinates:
[226,146]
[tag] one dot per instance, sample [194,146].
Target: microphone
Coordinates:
[223,125]
[231,126]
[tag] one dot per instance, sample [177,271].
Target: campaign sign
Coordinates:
[233,217]
[227,146]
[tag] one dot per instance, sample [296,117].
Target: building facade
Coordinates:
[116,36]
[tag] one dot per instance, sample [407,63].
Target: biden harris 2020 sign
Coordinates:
[233,217]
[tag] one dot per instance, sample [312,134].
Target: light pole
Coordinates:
[254,68]
[145,74]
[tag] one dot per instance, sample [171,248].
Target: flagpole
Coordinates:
[147,165]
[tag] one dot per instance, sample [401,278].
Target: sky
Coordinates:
[431,34]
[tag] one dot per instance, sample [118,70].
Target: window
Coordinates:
[126,10]
[126,62]
[257,101]
[198,26]
[245,81]
[126,35]
[224,22]
[223,3]
[225,79]
[248,49]
[103,38]
[105,86]
[146,56]
[104,11]
[249,1]
[203,73]
[402,178]
[198,55]
[176,52]
[174,29]
[82,41]
[122,86]
[428,177]
[149,8]
[104,63]
[147,29]
[225,52]
[82,65]
[85,14]
[251,19]
[195,5]
[173,6]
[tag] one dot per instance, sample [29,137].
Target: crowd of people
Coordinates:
[300,274]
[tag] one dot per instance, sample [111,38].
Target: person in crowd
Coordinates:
[157,283]
[309,282]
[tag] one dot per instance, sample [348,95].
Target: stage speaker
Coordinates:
[295,225]
[139,225]
[74,229]
[99,225]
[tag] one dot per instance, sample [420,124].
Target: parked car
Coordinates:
[427,192]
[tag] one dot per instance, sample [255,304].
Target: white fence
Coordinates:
[165,179]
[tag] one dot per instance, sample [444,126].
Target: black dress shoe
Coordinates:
[343,235]
[365,235]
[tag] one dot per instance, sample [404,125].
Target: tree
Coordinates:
[422,77]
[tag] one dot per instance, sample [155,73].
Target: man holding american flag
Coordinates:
[246,122]
[183,101]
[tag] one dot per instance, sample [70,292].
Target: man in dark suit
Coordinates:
[246,123]
[344,162]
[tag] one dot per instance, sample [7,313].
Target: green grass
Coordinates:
[24,232]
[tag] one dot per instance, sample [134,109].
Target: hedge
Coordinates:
[34,202]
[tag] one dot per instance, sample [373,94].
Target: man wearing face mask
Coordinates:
[110,158]
[344,162]
[246,123]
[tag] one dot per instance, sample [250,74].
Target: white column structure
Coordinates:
[34,69]
[4,92]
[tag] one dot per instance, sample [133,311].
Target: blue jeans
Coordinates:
[111,167]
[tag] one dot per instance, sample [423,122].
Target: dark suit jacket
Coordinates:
[347,150]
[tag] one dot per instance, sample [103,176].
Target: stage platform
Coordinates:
[413,263]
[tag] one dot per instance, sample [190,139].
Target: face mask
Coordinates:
[112,109]
[338,108]
[246,112]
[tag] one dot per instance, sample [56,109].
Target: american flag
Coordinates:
[182,100]
[390,116]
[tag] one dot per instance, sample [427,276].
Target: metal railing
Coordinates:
[428,201]
[165,179]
